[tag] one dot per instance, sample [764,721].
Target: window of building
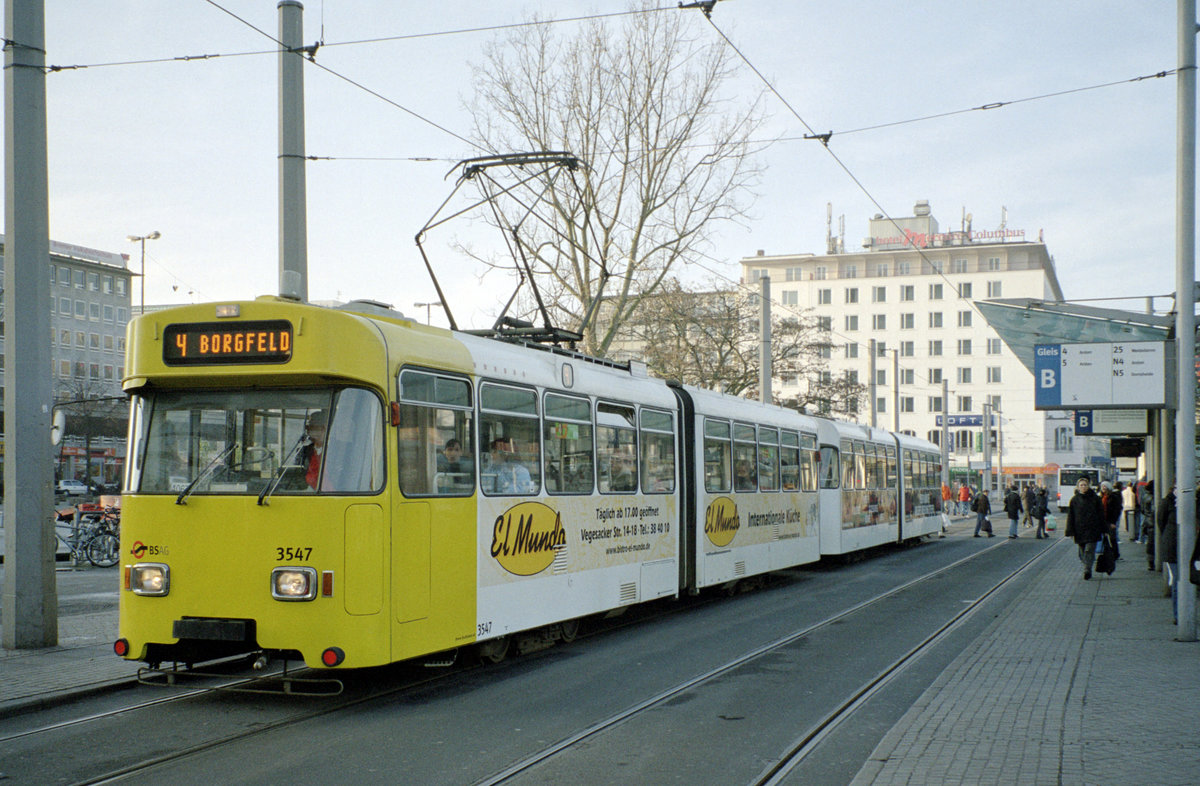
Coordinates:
[852,350]
[64,338]
[935,376]
[962,440]
[852,377]
[881,404]
[826,351]
[907,349]
[964,346]
[1062,438]
[108,373]
[878,294]
[121,283]
[937,265]
[964,290]
[906,376]
[907,292]
[903,268]
[935,319]
[964,403]
[935,436]
[64,369]
[94,341]
[108,313]
[94,311]
[108,343]
[993,346]
[964,375]
[94,282]
[993,374]
[880,349]
[906,404]
[880,376]
[852,294]
[64,276]
[790,297]
[64,306]
[879,321]
[108,285]
[964,319]
[881,269]
[935,349]
[80,309]
[851,322]
[994,289]
[824,297]
[80,278]
[80,339]
[94,370]
[122,315]
[850,271]
[825,323]
[906,321]
[935,403]
[994,403]
[959,266]
[819,273]
[935,291]
[993,263]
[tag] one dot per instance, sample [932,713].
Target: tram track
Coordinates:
[795,753]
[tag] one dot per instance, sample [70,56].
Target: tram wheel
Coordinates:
[569,631]
[494,651]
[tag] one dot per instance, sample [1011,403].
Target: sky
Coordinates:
[189,147]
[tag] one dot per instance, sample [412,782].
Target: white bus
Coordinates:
[1068,477]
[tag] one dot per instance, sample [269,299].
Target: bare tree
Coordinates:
[667,156]
[707,338]
[92,412]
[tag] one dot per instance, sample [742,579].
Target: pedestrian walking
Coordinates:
[1146,512]
[1085,523]
[1028,499]
[1013,507]
[1168,530]
[1128,509]
[945,498]
[1110,503]
[1040,510]
[982,507]
[964,498]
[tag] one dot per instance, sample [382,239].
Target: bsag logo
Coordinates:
[721,521]
[526,537]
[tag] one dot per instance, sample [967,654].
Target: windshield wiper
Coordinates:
[268,490]
[204,473]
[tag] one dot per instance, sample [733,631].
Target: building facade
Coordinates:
[89,307]
[910,290]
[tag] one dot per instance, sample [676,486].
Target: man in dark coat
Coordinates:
[1168,530]
[982,507]
[1085,523]
[1013,507]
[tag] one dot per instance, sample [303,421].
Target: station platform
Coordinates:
[1074,682]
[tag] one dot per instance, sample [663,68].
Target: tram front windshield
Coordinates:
[245,442]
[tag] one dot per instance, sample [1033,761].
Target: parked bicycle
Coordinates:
[90,534]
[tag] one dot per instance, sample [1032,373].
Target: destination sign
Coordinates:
[217,343]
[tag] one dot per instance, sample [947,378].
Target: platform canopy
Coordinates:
[1023,323]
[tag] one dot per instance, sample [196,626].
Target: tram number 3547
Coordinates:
[298,553]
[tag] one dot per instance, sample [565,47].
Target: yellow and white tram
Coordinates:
[351,488]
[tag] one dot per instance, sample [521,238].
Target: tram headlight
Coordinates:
[293,584]
[150,578]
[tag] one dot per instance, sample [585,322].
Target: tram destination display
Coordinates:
[216,343]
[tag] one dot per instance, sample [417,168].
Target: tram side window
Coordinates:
[658,452]
[847,465]
[891,467]
[716,456]
[616,448]
[745,458]
[768,459]
[880,475]
[436,437]
[567,437]
[910,478]
[860,466]
[509,462]
[789,461]
[829,467]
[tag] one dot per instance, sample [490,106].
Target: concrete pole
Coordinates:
[293,227]
[764,357]
[945,431]
[896,391]
[30,599]
[871,385]
[987,449]
[1185,313]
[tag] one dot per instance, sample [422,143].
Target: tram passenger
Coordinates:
[511,476]
[454,470]
[621,478]
[744,480]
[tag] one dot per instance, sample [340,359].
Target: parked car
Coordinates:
[72,488]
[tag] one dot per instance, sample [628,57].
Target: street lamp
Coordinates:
[427,306]
[155,235]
